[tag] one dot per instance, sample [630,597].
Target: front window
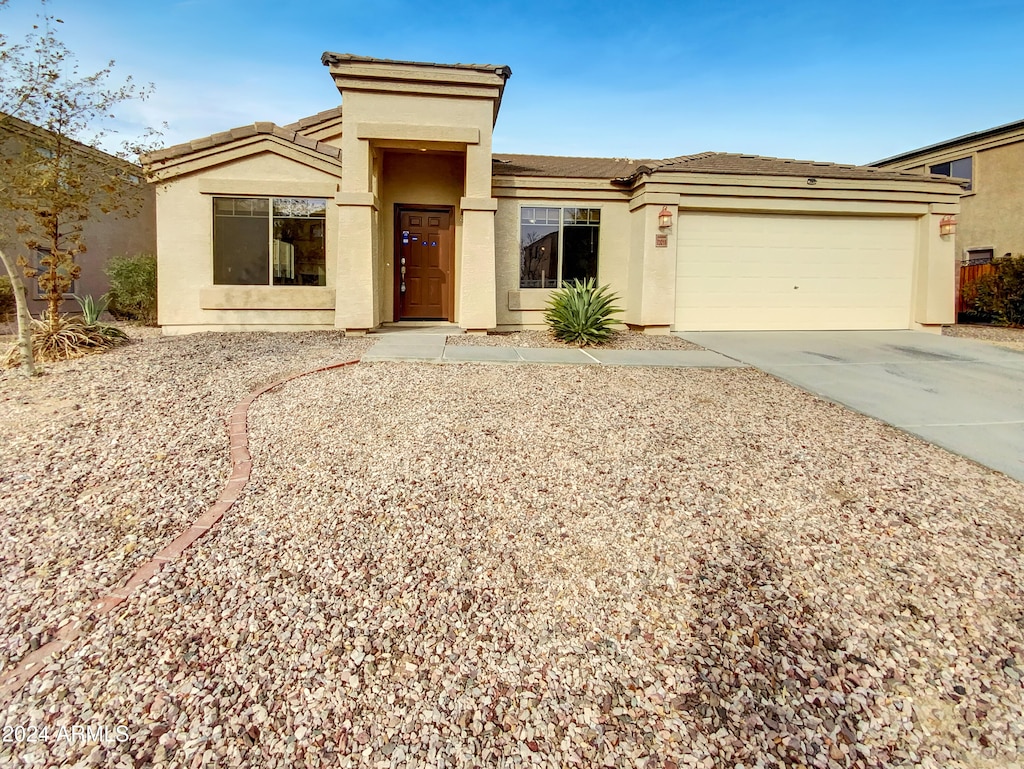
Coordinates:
[958,169]
[269,241]
[557,245]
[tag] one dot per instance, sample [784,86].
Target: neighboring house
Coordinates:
[104,234]
[397,210]
[991,165]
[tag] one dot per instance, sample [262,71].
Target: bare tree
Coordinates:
[55,178]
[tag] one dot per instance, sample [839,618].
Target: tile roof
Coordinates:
[329,58]
[568,167]
[242,132]
[627,170]
[758,165]
[314,120]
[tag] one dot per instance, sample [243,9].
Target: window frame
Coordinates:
[561,208]
[973,178]
[270,201]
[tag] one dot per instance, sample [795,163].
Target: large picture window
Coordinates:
[557,245]
[269,241]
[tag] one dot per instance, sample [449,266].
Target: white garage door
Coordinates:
[776,271]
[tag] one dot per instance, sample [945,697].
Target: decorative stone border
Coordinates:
[241,467]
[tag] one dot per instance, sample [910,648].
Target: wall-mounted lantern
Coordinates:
[947,225]
[665,218]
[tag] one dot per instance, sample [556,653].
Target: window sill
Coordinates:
[267,298]
[529,298]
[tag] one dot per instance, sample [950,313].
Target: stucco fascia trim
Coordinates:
[214,186]
[946,154]
[366,199]
[509,185]
[749,204]
[653,197]
[243,148]
[417,132]
[664,181]
[478,204]
[955,147]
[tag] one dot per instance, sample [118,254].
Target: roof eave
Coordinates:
[987,133]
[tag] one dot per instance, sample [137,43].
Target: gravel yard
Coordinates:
[621,340]
[108,457]
[1013,338]
[467,565]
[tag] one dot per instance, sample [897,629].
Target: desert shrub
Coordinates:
[7,307]
[133,287]
[581,313]
[69,337]
[999,296]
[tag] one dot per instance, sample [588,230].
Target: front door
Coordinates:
[424,263]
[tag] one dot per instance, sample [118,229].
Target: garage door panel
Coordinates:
[740,271]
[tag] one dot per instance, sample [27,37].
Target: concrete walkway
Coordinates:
[429,344]
[962,395]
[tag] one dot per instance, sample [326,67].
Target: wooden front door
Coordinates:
[424,263]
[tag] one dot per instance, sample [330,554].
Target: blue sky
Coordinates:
[825,80]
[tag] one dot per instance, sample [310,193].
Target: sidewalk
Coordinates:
[429,345]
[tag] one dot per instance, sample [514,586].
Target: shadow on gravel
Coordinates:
[772,674]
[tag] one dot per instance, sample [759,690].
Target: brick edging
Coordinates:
[241,467]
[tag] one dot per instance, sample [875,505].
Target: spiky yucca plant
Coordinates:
[581,313]
[67,337]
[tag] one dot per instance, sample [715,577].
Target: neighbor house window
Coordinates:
[269,241]
[41,270]
[958,169]
[978,256]
[557,245]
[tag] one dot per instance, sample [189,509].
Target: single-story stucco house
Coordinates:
[392,207]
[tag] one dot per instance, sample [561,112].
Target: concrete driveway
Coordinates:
[965,396]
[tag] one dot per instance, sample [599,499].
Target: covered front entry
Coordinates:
[424,263]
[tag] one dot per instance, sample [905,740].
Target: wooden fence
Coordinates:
[969,272]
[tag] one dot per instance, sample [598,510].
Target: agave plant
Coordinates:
[581,313]
[92,308]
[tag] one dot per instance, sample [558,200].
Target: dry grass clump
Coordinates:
[69,336]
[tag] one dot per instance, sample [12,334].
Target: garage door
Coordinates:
[774,271]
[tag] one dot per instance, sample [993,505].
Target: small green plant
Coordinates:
[67,337]
[581,313]
[133,287]
[92,308]
[6,299]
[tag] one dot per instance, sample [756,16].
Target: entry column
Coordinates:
[355,308]
[477,310]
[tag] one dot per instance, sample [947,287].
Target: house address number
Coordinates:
[661,241]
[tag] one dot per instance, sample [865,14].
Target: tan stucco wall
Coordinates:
[188,300]
[992,213]
[525,307]
[416,178]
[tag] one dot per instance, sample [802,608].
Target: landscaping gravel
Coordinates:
[469,565]
[108,457]
[1012,338]
[620,340]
